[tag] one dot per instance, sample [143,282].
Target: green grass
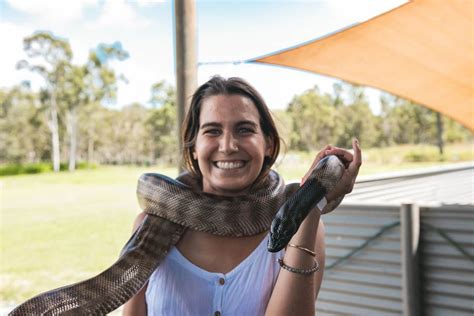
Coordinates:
[61,228]
[57,229]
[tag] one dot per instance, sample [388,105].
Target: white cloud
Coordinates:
[121,16]
[11,53]
[52,10]
[144,3]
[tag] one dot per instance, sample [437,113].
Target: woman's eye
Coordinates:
[246,130]
[211,132]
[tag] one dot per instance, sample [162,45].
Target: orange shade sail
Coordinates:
[422,51]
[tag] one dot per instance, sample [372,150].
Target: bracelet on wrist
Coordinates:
[299,271]
[306,250]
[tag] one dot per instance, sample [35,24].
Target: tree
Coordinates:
[55,55]
[357,120]
[87,86]
[314,120]
[23,129]
[161,123]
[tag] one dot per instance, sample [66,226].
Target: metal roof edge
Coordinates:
[417,172]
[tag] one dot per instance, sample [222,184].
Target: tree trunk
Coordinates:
[439,129]
[72,131]
[53,126]
[90,149]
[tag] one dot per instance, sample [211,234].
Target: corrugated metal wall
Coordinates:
[448,274]
[370,281]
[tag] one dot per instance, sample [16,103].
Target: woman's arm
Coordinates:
[136,306]
[295,294]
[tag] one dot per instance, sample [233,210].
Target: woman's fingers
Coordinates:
[357,160]
[319,156]
[353,168]
[352,162]
[346,184]
[344,155]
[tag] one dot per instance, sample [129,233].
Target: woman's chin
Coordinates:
[229,187]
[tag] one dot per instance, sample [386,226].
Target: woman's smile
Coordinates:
[230,165]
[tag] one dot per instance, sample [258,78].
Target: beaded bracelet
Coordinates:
[308,251]
[300,271]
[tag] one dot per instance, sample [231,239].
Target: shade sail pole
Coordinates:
[185,54]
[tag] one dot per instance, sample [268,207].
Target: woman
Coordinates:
[231,142]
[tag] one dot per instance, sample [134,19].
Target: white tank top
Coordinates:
[178,287]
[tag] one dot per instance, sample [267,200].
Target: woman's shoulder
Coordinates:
[138,220]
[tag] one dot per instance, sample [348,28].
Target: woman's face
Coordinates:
[230,146]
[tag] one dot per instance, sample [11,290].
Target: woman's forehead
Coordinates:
[228,108]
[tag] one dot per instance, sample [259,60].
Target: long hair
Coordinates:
[231,86]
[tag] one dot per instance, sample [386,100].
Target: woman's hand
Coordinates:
[352,162]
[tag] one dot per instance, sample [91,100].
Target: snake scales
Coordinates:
[171,207]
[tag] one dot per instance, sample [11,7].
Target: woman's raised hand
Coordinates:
[352,162]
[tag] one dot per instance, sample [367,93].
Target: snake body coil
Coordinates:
[172,206]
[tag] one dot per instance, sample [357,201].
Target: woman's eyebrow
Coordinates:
[246,122]
[216,124]
[211,124]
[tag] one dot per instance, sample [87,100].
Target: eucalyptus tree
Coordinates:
[357,119]
[314,119]
[23,129]
[161,123]
[52,56]
[95,82]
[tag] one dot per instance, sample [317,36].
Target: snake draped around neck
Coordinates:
[172,206]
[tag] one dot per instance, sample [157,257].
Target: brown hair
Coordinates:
[231,86]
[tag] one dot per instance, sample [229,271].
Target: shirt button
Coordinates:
[217,313]
[221,282]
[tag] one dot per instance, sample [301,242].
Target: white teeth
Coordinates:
[229,164]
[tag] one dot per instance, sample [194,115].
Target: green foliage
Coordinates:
[15,169]
[336,119]
[39,167]
[24,135]
[425,154]
[314,120]
[162,124]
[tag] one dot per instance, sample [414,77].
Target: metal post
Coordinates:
[410,241]
[185,54]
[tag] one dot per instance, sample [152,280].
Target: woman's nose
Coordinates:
[228,143]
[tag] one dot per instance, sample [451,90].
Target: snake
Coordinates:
[171,207]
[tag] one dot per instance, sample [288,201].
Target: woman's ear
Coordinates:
[269,146]
[194,155]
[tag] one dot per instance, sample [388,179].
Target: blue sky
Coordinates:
[227,31]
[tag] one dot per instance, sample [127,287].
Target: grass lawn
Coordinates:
[56,229]
[61,228]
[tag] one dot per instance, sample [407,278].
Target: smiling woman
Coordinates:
[230,143]
[199,245]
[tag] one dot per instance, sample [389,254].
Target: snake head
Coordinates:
[278,238]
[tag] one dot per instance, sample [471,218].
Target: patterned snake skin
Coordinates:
[171,207]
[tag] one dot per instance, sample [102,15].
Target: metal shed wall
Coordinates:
[369,282]
[447,273]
